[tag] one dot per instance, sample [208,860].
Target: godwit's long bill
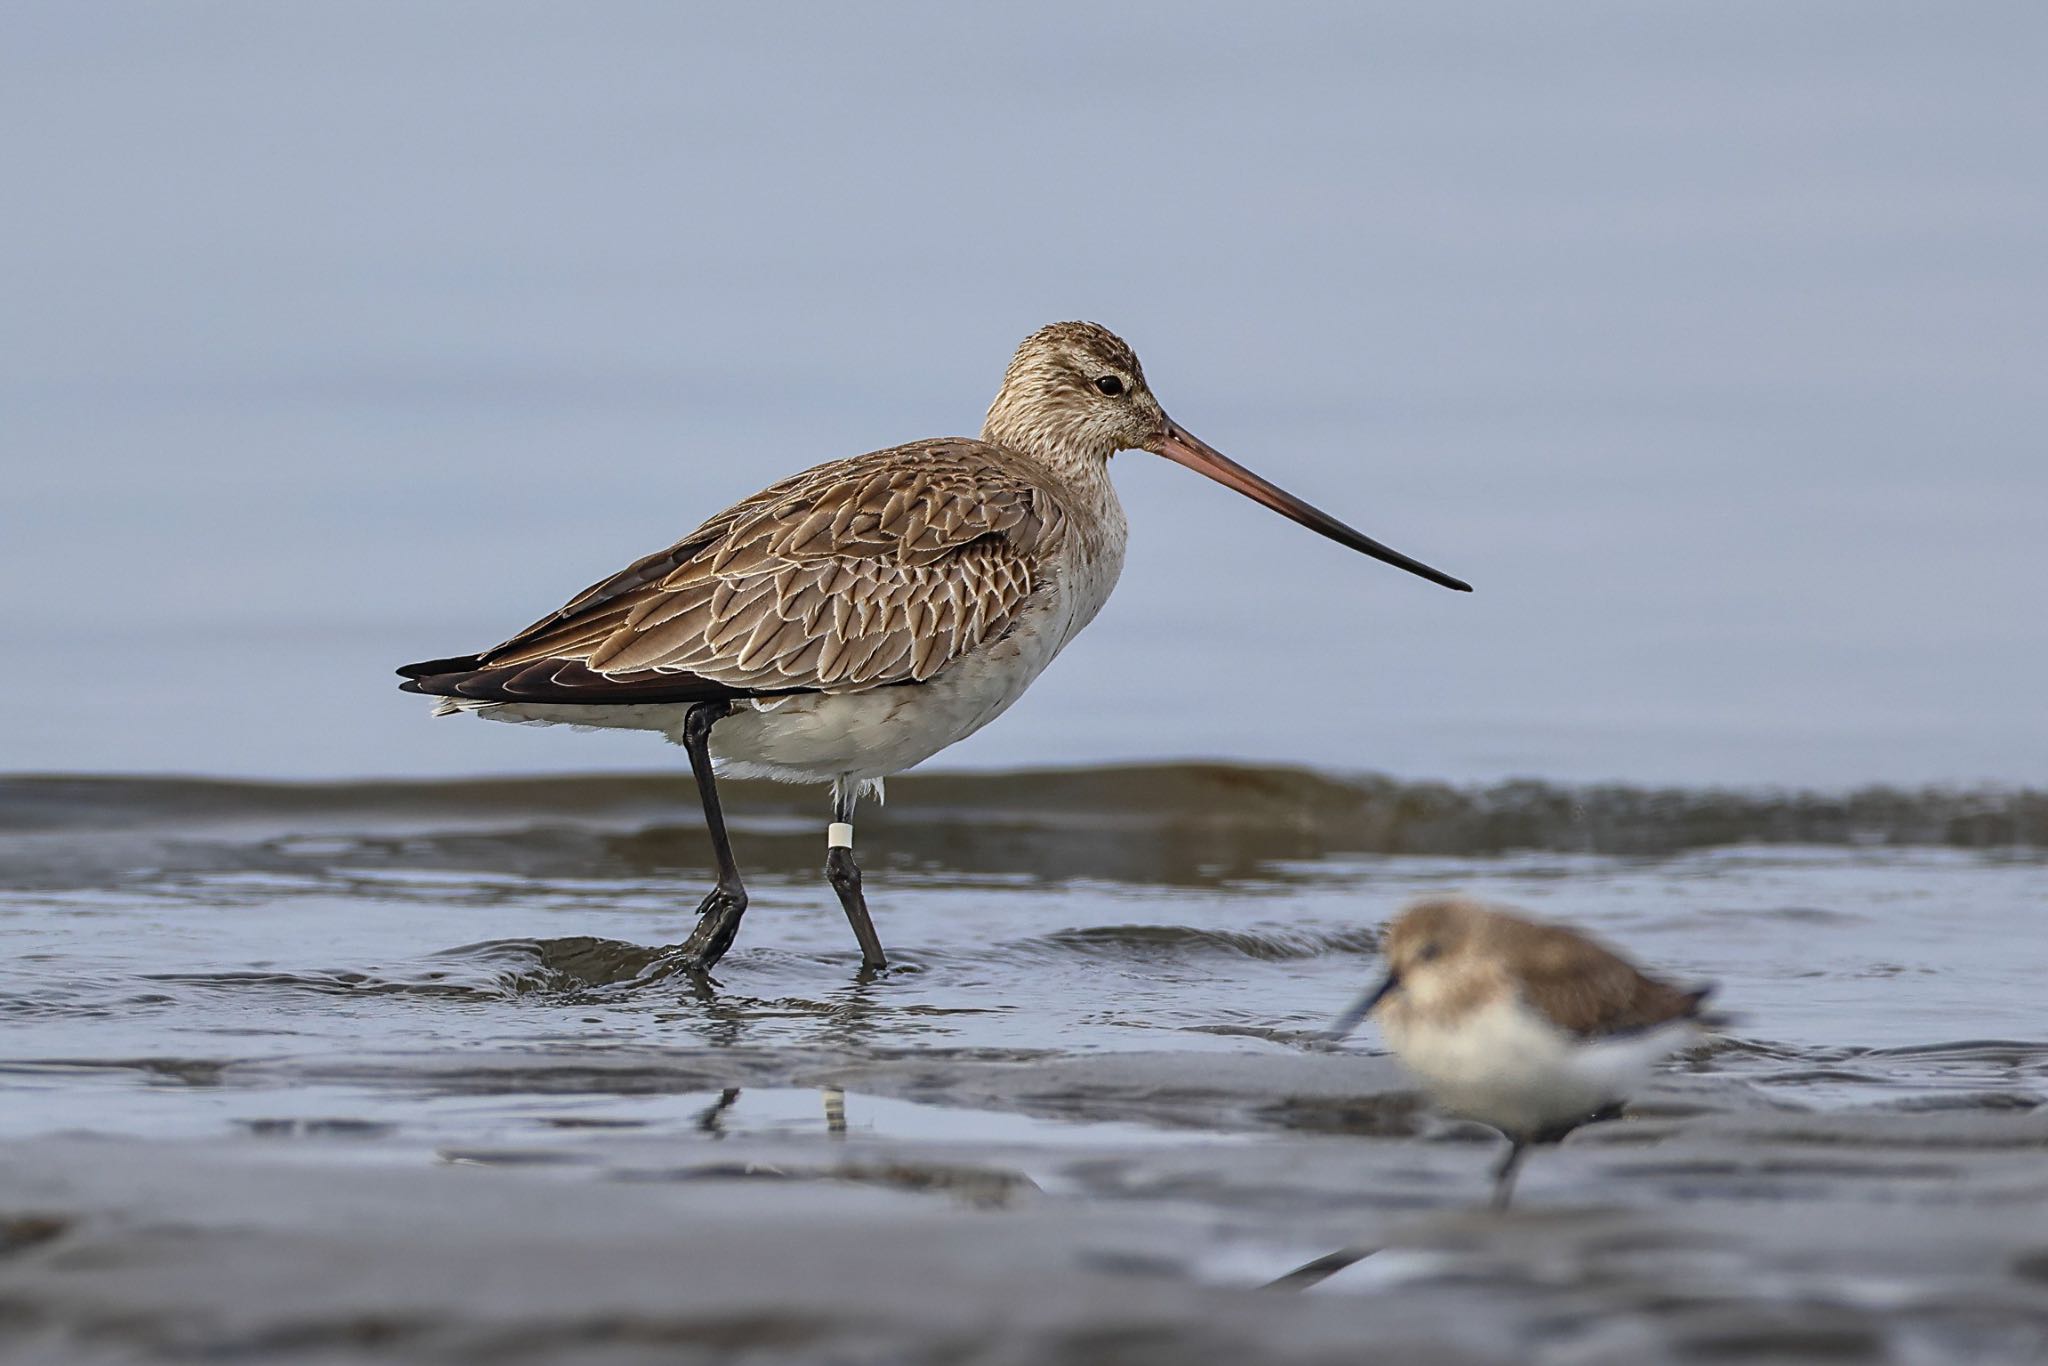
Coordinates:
[854,620]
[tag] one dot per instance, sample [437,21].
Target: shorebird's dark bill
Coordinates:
[1360,1008]
[1184,447]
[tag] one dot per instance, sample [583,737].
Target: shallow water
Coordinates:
[1104,996]
[1193,908]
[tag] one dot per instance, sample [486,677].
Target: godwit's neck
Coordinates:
[1048,437]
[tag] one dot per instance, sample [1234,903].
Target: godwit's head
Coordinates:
[1075,395]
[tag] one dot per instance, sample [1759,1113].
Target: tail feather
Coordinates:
[428,668]
[1696,1011]
[571,681]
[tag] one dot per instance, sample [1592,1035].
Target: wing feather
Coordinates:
[864,573]
[1590,991]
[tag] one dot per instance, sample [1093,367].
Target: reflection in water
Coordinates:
[835,1111]
[1127,1054]
[208,932]
[712,1120]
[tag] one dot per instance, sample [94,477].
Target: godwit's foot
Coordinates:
[718,921]
[844,875]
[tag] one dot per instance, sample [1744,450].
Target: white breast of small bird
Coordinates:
[1506,1065]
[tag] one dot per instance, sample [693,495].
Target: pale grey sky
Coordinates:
[1708,342]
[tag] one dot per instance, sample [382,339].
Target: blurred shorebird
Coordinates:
[1531,1028]
[854,620]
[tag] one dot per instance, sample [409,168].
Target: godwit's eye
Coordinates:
[1429,952]
[1111,385]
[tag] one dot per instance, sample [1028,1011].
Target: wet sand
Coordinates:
[276,1084]
[1709,1227]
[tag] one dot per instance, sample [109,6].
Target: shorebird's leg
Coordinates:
[718,916]
[1319,1270]
[1504,1174]
[844,874]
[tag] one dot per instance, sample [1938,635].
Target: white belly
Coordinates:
[1506,1066]
[867,735]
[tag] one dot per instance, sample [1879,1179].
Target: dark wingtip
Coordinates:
[567,681]
[427,668]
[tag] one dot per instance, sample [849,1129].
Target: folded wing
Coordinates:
[1593,993]
[860,574]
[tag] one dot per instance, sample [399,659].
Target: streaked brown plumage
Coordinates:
[855,619]
[1570,979]
[859,574]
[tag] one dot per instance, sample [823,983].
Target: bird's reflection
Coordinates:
[835,1110]
[711,1120]
[859,1012]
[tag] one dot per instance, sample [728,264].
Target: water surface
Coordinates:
[243,1022]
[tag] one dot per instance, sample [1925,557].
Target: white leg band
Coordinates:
[839,835]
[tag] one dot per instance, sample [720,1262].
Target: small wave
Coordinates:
[320,983]
[2003,1052]
[495,969]
[1274,944]
[1221,814]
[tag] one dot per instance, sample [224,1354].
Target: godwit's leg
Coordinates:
[718,916]
[844,874]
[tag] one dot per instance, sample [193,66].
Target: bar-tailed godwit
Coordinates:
[1529,1027]
[854,620]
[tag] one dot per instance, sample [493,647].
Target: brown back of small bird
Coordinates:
[1584,987]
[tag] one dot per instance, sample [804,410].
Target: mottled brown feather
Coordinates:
[863,573]
[1580,985]
[1583,987]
